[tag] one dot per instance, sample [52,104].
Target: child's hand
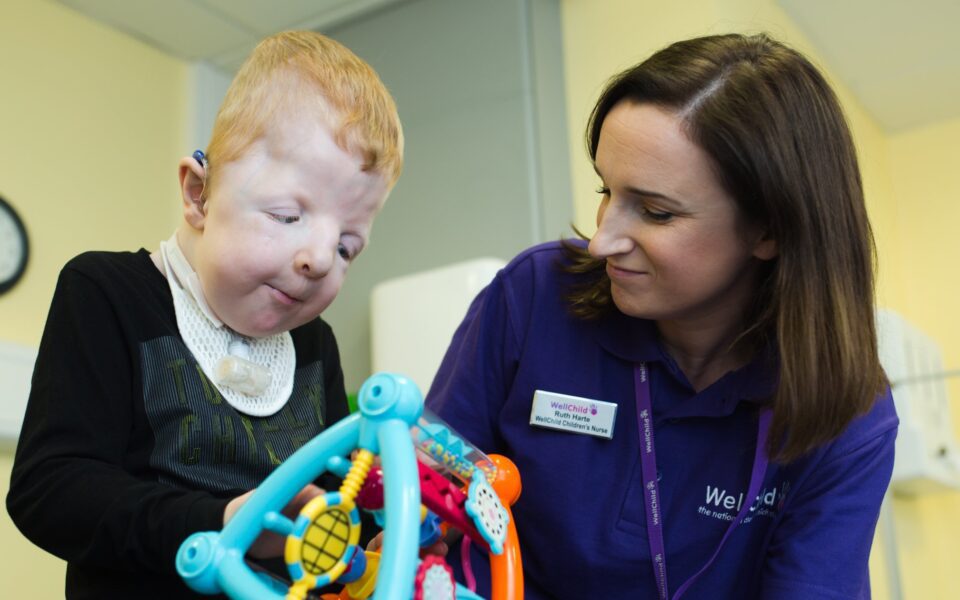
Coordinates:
[439,547]
[269,544]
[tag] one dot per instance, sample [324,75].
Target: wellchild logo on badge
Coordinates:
[592,409]
[573,414]
[719,504]
[570,407]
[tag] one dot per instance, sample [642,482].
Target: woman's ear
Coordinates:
[766,248]
[193,179]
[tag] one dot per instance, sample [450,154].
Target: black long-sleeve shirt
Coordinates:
[126,447]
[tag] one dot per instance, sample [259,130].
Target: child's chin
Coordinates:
[268,328]
[259,330]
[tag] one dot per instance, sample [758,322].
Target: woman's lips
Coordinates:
[615,272]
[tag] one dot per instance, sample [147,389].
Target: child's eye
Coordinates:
[603,190]
[285,219]
[344,252]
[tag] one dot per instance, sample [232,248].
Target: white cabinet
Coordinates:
[412,318]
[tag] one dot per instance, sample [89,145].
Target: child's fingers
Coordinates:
[234,505]
[305,495]
[438,548]
[269,544]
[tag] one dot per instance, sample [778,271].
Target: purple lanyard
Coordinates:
[651,493]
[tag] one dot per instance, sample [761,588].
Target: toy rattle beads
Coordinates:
[321,544]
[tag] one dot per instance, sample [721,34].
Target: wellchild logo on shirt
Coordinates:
[722,505]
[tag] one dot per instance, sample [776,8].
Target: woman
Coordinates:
[693,398]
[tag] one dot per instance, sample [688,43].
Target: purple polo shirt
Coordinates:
[581,518]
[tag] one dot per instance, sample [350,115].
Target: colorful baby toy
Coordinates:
[428,477]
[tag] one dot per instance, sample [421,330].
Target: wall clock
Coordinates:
[14,247]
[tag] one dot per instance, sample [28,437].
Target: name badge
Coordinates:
[573,414]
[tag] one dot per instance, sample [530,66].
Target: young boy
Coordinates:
[169,384]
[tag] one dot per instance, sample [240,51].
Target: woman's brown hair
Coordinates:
[781,146]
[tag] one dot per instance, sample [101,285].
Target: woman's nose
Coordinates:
[611,238]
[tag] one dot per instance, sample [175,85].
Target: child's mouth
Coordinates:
[282,296]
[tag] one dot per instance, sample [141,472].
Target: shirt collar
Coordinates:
[757,381]
[637,340]
[633,340]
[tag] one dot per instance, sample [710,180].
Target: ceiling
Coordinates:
[901,59]
[220,32]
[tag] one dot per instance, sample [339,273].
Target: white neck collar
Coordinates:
[183,275]
[254,375]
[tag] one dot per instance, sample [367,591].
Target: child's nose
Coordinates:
[316,256]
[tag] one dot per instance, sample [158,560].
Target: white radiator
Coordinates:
[16,368]
[927,456]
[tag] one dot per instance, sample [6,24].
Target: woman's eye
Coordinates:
[657,216]
[603,190]
[285,219]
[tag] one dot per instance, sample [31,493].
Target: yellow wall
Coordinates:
[602,38]
[92,125]
[912,188]
[925,171]
[92,128]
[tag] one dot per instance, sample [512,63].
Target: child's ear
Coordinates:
[193,178]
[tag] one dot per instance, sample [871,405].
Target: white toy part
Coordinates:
[927,455]
[484,507]
[434,581]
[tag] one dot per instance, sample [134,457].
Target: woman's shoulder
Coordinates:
[546,253]
[877,427]
[542,264]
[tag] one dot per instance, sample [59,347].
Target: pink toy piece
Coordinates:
[445,499]
[370,496]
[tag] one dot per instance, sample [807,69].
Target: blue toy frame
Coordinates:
[213,562]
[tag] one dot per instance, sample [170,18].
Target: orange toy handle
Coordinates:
[506,570]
